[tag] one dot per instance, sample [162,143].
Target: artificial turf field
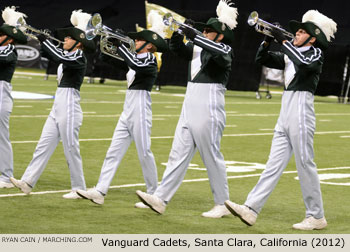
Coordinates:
[245,146]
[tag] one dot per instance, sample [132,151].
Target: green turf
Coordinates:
[102,104]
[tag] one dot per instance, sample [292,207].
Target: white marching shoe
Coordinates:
[21,185]
[6,185]
[93,195]
[243,212]
[71,195]
[140,205]
[154,202]
[311,223]
[217,211]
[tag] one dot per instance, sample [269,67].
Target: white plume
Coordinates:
[227,14]
[10,15]
[327,25]
[80,19]
[155,21]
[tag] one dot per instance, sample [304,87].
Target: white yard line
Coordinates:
[94,102]
[185,181]
[170,137]
[268,115]
[268,134]
[31,74]
[332,132]
[23,106]
[179,102]
[176,115]
[29,116]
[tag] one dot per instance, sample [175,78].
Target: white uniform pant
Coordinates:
[6,154]
[294,132]
[134,124]
[63,124]
[200,126]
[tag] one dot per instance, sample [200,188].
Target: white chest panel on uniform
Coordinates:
[59,73]
[60,67]
[289,70]
[130,76]
[196,61]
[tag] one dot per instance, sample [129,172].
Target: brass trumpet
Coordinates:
[30,31]
[95,27]
[265,27]
[174,25]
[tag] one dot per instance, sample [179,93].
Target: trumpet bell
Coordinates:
[265,27]
[253,18]
[96,20]
[21,21]
[94,24]
[174,25]
[95,27]
[168,19]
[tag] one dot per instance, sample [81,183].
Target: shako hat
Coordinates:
[79,21]
[317,25]
[9,27]
[224,23]
[155,34]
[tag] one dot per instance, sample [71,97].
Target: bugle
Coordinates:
[30,31]
[95,27]
[175,25]
[265,27]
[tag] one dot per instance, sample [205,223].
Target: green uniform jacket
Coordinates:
[8,60]
[74,65]
[145,69]
[307,65]
[215,58]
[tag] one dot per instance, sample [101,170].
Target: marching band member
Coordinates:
[65,118]
[202,119]
[135,121]
[9,35]
[302,62]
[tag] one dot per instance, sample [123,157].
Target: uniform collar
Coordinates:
[142,55]
[3,47]
[70,53]
[303,49]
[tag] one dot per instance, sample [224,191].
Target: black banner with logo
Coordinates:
[29,55]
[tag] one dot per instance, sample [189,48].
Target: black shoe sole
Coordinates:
[145,202]
[82,196]
[88,198]
[236,214]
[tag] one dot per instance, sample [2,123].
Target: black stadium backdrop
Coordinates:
[245,76]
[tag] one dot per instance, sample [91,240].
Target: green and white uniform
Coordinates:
[294,131]
[135,122]
[64,120]
[202,118]
[8,60]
